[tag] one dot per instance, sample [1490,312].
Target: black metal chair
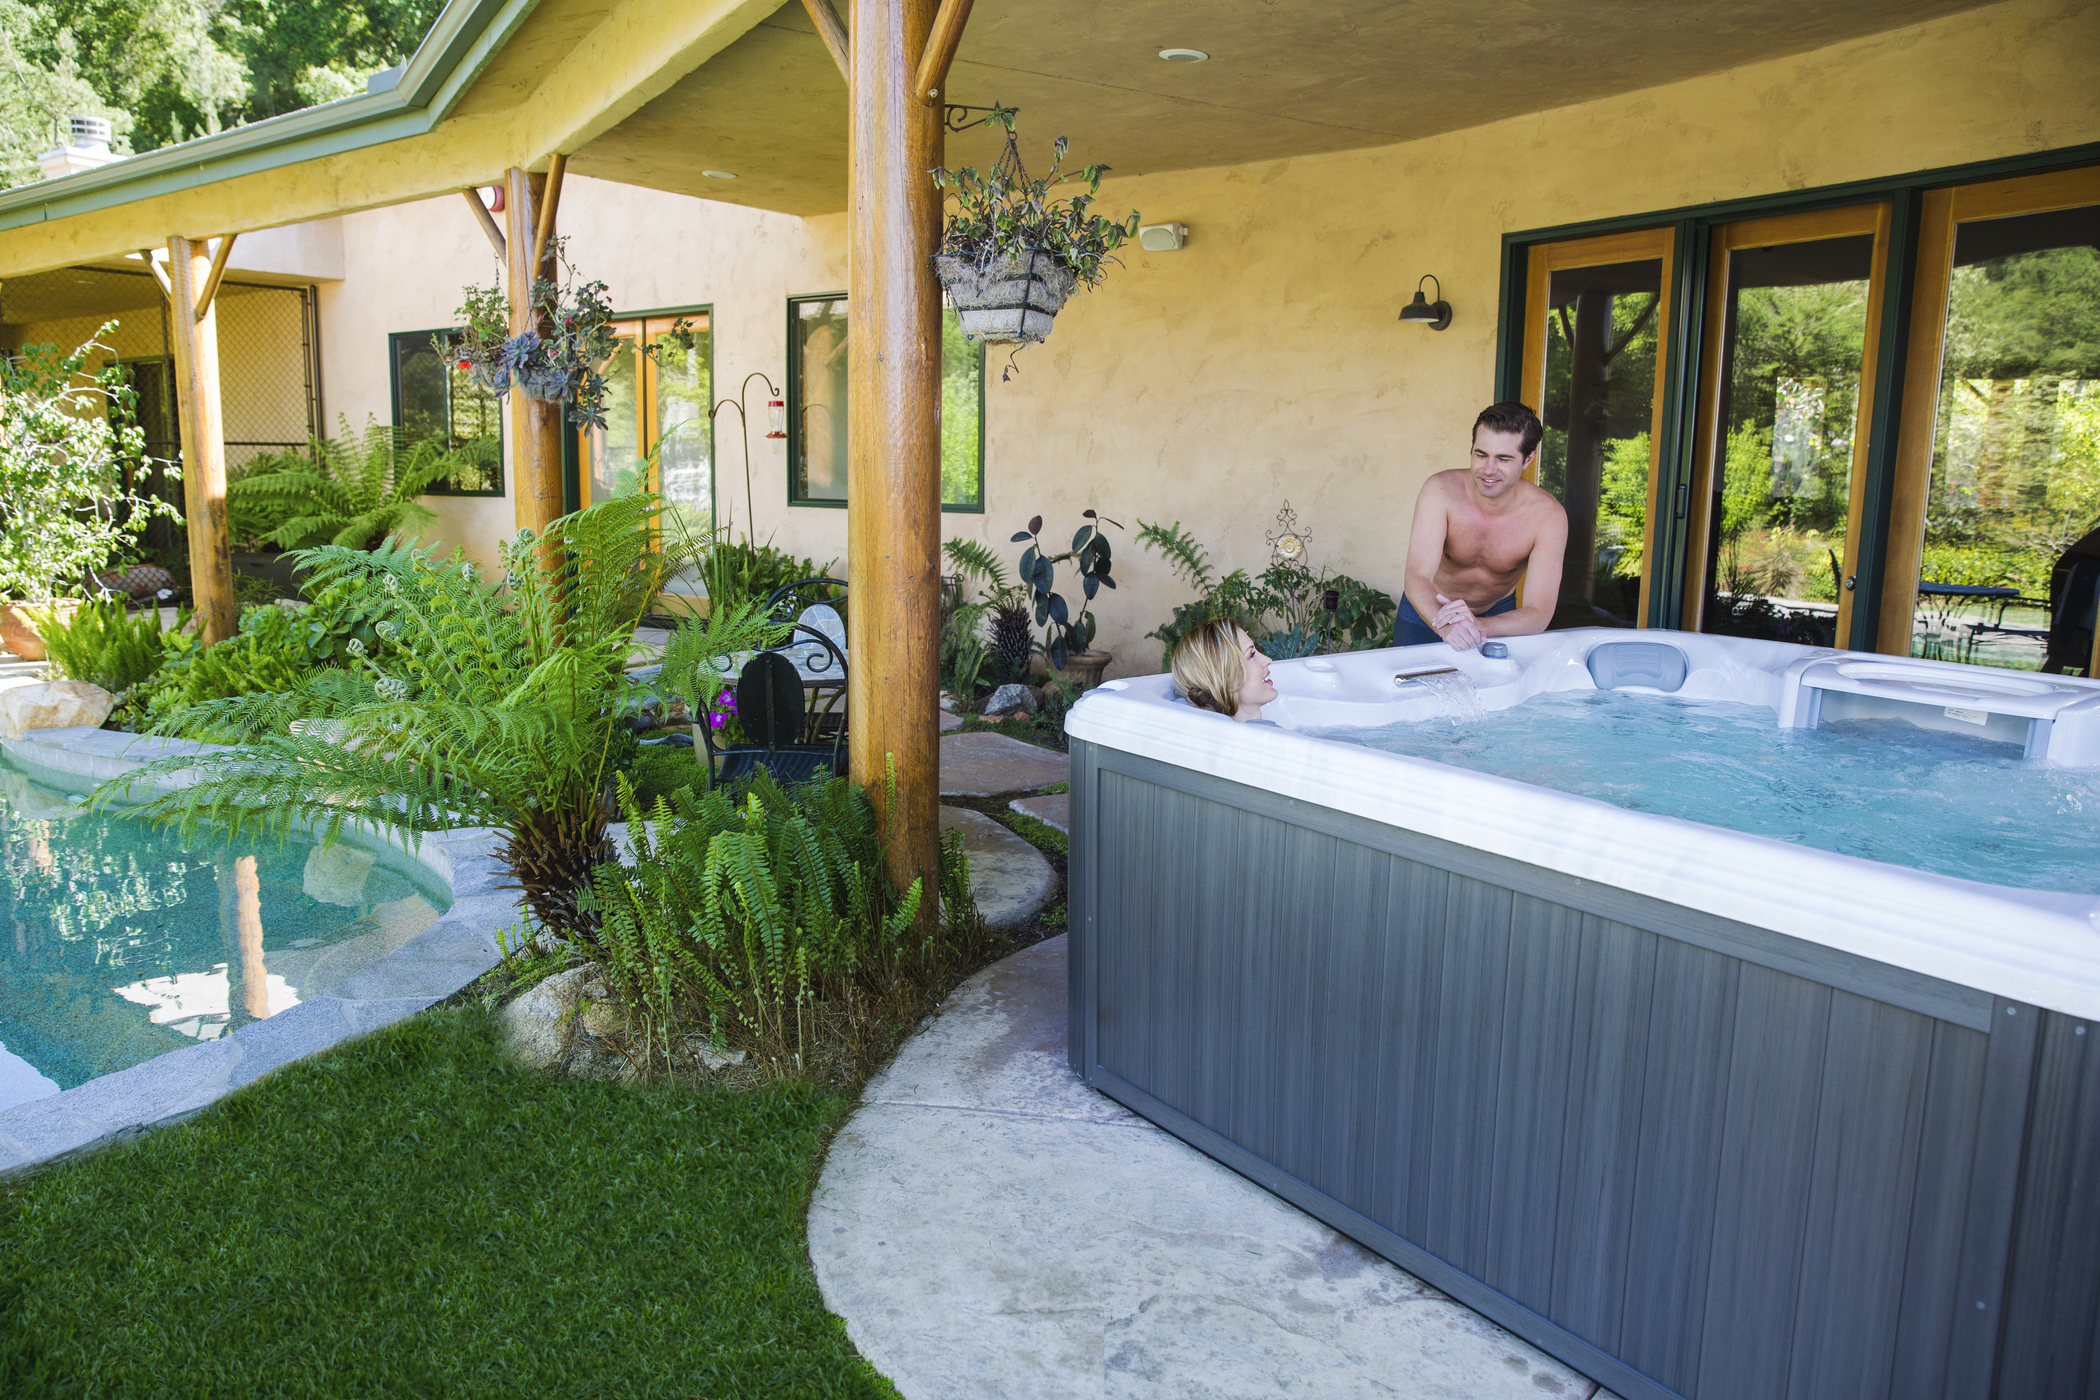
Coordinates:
[823,667]
[2072,584]
[783,732]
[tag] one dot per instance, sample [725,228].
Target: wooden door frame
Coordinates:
[1545,259]
[637,323]
[1945,210]
[1811,227]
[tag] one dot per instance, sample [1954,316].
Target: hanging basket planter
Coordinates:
[1007,301]
[492,377]
[1012,251]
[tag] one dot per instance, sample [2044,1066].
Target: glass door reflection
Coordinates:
[657,435]
[1995,532]
[1594,338]
[1793,304]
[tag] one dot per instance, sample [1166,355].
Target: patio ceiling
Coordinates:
[1282,80]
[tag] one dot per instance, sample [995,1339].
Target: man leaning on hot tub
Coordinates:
[1478,532]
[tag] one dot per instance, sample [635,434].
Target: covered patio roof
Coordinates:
[657,92]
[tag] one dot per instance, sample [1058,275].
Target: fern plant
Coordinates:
[487,702]
[760,914]
[353,491]
[1288,609]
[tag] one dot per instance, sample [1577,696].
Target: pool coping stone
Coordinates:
[170,1088]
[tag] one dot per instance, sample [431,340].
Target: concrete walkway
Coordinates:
[989,1226]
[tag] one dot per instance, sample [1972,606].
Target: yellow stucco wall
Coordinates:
[1263,362]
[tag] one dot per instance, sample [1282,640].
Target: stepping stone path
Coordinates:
[1054,810]
[1009,878]
[994,765]
[949,721]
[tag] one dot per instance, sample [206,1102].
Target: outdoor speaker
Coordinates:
[1162,238]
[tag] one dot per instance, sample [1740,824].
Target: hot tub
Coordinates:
[1699,1111]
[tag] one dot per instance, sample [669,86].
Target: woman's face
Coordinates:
[1255,691]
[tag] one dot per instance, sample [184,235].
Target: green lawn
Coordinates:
[409,1215]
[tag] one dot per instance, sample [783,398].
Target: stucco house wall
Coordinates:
[1264,361]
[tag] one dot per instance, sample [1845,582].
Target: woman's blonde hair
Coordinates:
[1210,668]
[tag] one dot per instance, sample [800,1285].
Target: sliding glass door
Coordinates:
[658,388]
[1995,526]
[1594,348]
[1780,441]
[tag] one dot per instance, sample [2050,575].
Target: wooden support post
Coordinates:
[832,30]
[893,483]
[203,438]
[211,280]
[535,427]
[940,49]
[488,224]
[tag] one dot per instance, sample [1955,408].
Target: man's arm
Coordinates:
[1425,547]
[1541,580]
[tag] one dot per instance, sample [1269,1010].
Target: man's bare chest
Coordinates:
[1501,546]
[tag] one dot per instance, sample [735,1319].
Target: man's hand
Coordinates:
[1454,623]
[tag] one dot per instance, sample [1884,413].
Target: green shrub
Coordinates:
[763,914]
[1282,608]
[105,644]
[739,571]
[351,491]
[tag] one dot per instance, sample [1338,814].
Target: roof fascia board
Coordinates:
[459,46]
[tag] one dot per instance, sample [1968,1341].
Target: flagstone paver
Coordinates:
[996,765]
[1053,809]
[989,1225]
[1009,878]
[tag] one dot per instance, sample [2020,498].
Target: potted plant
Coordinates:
[557,359]
[1068,638]
[66,434]
[1012,252]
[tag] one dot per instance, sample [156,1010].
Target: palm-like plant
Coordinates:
[486,703]
[354,490]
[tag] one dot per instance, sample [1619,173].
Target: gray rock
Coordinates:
[712,1058]
[1010,697]
[30,704]
[539,1026]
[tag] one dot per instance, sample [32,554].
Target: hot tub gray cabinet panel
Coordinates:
[1688,1156]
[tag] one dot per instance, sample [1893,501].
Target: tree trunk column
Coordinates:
[893,483]
[535,427]
[196,350]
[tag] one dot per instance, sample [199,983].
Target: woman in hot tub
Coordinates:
[1218,667]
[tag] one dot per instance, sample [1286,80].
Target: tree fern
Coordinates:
[486,703]
[1188,558]
[354,489]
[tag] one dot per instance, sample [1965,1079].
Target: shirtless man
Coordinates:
[1476,534]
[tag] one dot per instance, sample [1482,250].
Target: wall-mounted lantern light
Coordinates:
[1434,314]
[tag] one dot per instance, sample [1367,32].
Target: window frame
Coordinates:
[791,393]
[393,383]
[1696,246]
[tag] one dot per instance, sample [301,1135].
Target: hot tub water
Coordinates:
[1881,789]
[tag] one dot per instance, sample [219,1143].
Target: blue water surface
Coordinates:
[123,941]
[1881,789]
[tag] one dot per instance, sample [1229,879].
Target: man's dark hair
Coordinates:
[1509,416]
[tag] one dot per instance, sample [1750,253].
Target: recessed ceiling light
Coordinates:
[719,174]
[1183,55]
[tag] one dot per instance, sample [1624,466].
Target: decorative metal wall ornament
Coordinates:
[1288,541]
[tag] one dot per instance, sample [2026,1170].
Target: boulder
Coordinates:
[53,705]
[337,875]
[539,1026]
[1010,697]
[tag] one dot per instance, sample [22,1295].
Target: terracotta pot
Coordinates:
[1084,668]
[20,634]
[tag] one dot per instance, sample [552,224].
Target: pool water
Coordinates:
[124,941]
[1881,789]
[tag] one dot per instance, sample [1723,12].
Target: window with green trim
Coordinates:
[435,398]
[817,407]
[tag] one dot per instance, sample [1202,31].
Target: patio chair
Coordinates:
[818,607]
[783,733]
[2074,586]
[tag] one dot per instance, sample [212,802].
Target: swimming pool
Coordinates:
[126,941]
[1701,1111]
